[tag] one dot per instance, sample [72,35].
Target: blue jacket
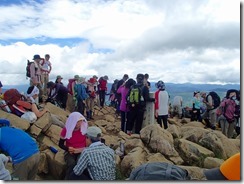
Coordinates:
[80,90]
[17,143]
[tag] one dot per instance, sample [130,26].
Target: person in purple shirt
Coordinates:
[23,150]
[124,109]
[58,92]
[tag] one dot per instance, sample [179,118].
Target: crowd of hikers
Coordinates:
[86,155]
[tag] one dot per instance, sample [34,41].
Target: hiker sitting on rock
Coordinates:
[97,161]
[23,150]
[32,94]
[73,139]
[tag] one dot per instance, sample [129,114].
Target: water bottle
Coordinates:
[122,148]
[53,149]
[4,106]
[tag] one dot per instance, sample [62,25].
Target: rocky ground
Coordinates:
[186,144]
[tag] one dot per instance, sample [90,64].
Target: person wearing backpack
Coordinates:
[161,104]
[124,108]
[227,118]
[212,101]
[81,95]
[35,75]
[137,97]
[102,89]
[71,104]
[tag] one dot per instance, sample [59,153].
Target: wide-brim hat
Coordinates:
[59,77]
[76,77]
[36,57]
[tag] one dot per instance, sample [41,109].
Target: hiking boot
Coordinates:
[213,128]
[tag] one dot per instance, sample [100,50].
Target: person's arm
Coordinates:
[37,112]
[50,67]
[62,145]
[81,163]
[145,92]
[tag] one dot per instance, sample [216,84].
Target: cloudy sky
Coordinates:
[176,41]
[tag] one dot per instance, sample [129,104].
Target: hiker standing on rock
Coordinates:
[46,68]
[35,75]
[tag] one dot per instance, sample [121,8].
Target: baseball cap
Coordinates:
[93,131]
[229,170]
[159,171]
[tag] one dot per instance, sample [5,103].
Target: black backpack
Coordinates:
[28,68]
[215,97]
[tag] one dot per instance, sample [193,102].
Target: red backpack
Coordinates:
[11,96]
[69,86]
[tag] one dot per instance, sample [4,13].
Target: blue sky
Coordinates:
[195,41]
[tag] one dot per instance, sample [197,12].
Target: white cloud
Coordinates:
[175,41]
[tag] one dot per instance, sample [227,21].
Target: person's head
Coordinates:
[196,93]
[75,121]
[36,58]
[129,83]
[231,93]
[125,77]
[82,80]
[47,56]
[105,77]
[50,85]
[203,94]
[146,76]
[139,78]
[76,77]
[32,92]
[59,78]
[229,170]
[95,77]
[160,85]
[93,134]
[159,171]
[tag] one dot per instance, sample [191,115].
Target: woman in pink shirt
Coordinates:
[73,139]
[124,109]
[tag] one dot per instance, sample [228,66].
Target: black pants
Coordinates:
[196,116]
[84,176]
[71,160]
[165,121]
[62,99]
[102,97]
[80,107]
[136,117]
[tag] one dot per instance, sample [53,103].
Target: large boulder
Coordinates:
[158,140]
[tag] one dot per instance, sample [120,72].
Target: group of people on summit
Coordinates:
[86,155]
